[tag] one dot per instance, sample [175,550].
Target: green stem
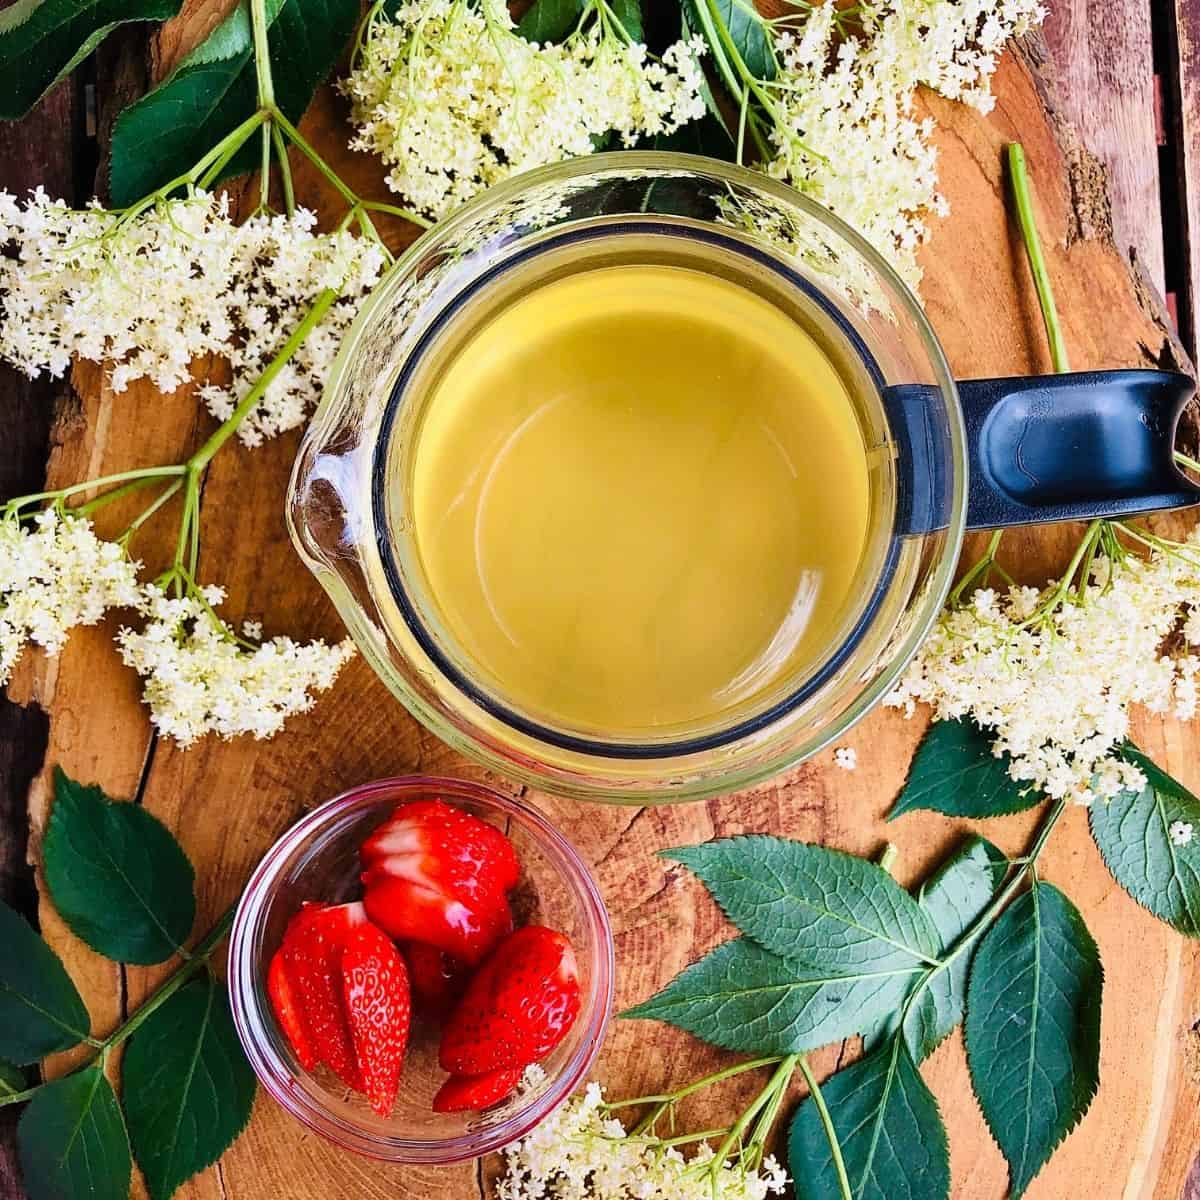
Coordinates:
[126,489]
[285,170]
[835,1147]
[774,1085]
[262,55]
[20,502]
[1022,194]
[752,1064]
[204,455]
[197,959]
[148,512]
[1185,460]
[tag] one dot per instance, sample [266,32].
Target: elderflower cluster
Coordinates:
[582,1153]
[1054,683]
[55,574]
[454,100]
[150,293]
[200,679]
[846,130]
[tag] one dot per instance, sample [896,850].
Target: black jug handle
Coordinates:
[1043,448]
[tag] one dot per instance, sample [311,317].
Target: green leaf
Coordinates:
[550,20]
[955,772]
[12,1079]
[838,913]
[742,997]
[72,1143]
[41,41]
[736,23]
[117,875]
[213,90]
[40,1010]
[188,1088]
[1133,831]
[706,136]
[953,898]
[1033,1027]
[887,1123]
[629,14]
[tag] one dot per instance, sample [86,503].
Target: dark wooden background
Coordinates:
[1128,76]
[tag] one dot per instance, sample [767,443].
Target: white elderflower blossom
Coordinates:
[55,574]
[845,127]
[200,679]
[846,757]
[1052,675]
[1180,833]
[454,100]
[149,294]
[580,1152]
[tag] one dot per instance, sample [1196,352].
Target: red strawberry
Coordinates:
[434,873]
[517,1008]
[437,979]
[287,1011]
[378,1007]
[470,1093]
[310,961]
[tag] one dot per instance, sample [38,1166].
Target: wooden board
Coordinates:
[227,802]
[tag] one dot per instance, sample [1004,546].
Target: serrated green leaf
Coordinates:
[838,913]
[1033,1027]
[736,23]
[742,997]
[72,1143]
[953,898]
[887,1123]
[214,90]
[550,20]
[955,772]
[188,1087]
[1133,832]
[40,1009]
[41,41]
[117,875]
[12,1079]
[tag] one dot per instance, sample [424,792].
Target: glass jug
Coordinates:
[945,457]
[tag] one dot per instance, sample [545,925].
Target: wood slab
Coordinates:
[228,801]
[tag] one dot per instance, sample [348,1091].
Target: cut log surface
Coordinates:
[228,801]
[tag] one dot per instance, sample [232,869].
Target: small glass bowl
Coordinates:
[317,859]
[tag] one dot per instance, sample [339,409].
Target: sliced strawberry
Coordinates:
[437,979]
[436,874]
[311,956]
[517,1008]
[471,1093]
[287,1011]
[378,1008]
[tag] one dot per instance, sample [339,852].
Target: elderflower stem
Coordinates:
[773,1089]
[262,55]
[1022,194]
[126,489]
[20,502]
[204,455]
[733,71]
[835,1146]
[194,960]
[127,537]
[285,169]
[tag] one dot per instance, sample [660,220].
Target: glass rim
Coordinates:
[250,1020]
[630,162]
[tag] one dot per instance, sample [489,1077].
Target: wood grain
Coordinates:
[227,802]
[1104,76]
[1184,75]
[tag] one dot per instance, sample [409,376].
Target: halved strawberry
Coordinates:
[287,1011]
[378,1008]
[310,960]
[517,1008]
[471,1093]
[437,979]
[436,874]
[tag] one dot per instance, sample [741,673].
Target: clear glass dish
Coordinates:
[347,503]
[317,859]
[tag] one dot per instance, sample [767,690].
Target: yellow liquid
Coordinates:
[640,499]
